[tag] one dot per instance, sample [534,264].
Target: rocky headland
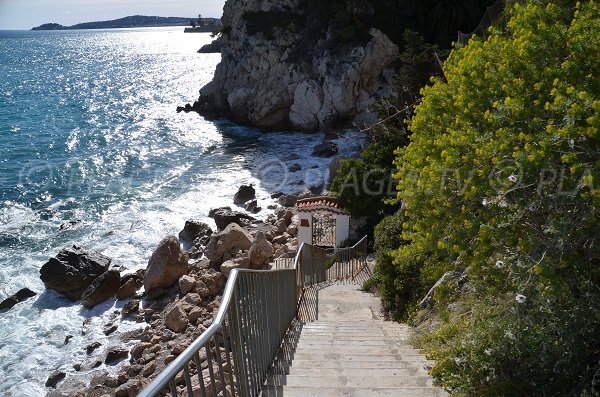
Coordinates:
[290,65]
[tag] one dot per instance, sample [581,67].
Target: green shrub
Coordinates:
[500,178]
[397,285]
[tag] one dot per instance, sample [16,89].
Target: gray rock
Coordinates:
[327,149]
[55,378]
[244,194]
[102,288]
[287,200]
[73,270]
[20,296]
[115,355]
[225,216]
[90,348]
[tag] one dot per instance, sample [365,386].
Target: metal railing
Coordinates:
[234,355]
[347,263]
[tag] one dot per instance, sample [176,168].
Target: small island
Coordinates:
[138,21]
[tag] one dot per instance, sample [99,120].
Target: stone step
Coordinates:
[372,381]
[374,336]
[308,363]
[354,346]
[357,356]
[354,392]
[356,372]
[374,325]
[328,340]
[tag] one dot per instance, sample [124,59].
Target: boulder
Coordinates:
[54,378]
[236,263]
[193,230]
[286,215]
[225,216]
[244,194]
[73,270]
[202,289]
[176,320]
[20,296]
[327,149]
[287,200]
[233,238]
[214,281]
[292,230]
[102,288]
[186,284]
[115,355]
[261,252]
[280,227]
[252,206]
[127,289]
[166,265]
[130,308]
[280,239]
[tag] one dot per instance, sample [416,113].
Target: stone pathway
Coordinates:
[351,351]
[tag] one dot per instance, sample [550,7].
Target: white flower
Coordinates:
[485,202]
[513,178]
[499,264]
[521,298]
[487,352]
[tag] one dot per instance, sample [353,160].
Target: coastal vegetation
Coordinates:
[497,165]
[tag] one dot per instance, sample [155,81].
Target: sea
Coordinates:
[93,153]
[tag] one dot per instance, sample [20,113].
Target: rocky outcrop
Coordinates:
[280,71]
[73,270]
[167,264]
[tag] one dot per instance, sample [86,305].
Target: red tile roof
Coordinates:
[321,202]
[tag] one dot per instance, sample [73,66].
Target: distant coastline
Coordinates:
[134,21]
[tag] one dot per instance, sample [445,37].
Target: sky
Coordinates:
[25,14]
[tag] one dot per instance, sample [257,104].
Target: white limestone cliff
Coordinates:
[282,80]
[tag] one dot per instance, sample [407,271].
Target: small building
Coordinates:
[322,222]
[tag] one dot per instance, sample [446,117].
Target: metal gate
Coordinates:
[323,231]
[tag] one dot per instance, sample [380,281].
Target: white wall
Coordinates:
[304,232]
[342,228]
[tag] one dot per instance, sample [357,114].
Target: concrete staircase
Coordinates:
[351,351]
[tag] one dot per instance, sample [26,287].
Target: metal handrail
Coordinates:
[233,356]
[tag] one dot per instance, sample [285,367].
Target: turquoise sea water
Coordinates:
[93,153]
